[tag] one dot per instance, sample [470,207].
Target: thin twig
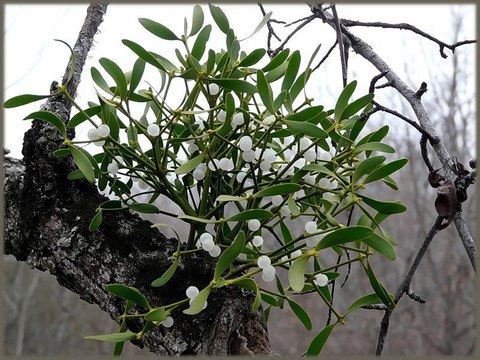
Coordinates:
[414,296]
[404,118]
[371,88]
[271,32]
[404,26]
[326,56]
[296,21]
[307,20]
[405,285]
[424,152]
[338,29]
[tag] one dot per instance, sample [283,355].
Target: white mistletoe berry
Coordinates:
[215,252]
[168,322]
[257,241]
[268,273]
[153,130]
[213,89]
[192,292]
[103,131]
[263,261]
[93,134]
[253,225]
[311,227]
[321,280]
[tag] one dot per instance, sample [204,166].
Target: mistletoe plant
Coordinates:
[242,158]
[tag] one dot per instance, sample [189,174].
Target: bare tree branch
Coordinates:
[366,51]
[341,46]
[404,26]
[405,285]
[326,56]
[287,39]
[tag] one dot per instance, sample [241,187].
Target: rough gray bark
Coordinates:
[46,225]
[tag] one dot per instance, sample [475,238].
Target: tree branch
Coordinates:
[366,51]
[404,26]
[340,40]
[405,285]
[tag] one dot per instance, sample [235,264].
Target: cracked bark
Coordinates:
[46,225]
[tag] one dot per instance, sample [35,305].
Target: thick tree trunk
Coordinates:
[46,225]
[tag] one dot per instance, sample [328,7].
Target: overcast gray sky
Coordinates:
[33,60]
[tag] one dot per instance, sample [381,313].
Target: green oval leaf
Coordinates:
[96,221]
[385,170]
[384,207]
[197,219]
[219,18]
[128,293]
[116,337]
[229,255]
[365,300]
[49,117]
[79,118]
[251,214]
[254,57]
[276,73]
[99,80]
[292,70]
[279,189]
[296,273]
[260,25]
[299,84]
[373,146]
[223,198]
[306,128]
[342,101]
[111,205]
[367,166]
[144,208]
[62,152]
[158,29]
[301,314]
[201,42]
[23,100]
[278,60]
[198,302]
[167,275]
[310,113]
[197,20]
[190,165]
[265,91]
[83,163]
[143,54]
[236,85]
[343,236]
[381,245]
[137,73]
[123,328]
[378,287]
[75,175]
[356,106]
[158,314]
[316,345]
[269,299]
[117,75]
